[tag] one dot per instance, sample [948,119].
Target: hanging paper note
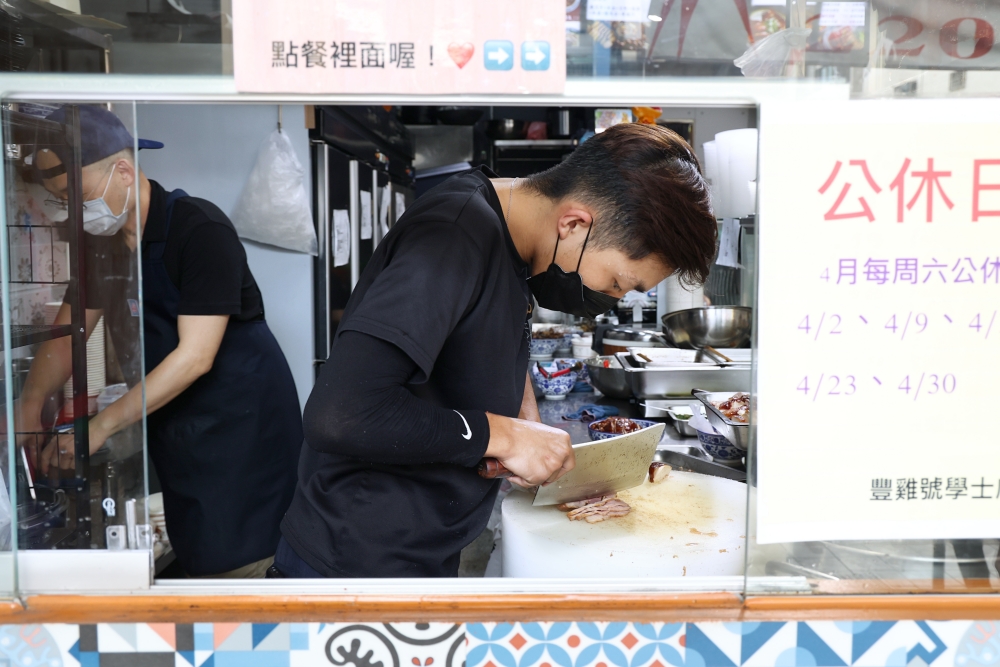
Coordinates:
[366,215]
[729,243]
[383,209]
[400,204]
[341,238]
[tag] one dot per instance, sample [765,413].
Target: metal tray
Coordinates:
[683,427]
[663,357]
[695,460]
[737,433]
[665,409]
[679,382]
[657,408]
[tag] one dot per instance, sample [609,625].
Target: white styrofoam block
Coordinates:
[70,570]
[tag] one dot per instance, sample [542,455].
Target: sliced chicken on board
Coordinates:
[595,510]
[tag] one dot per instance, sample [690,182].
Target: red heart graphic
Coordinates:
[461,53]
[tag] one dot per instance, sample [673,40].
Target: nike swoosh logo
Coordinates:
[468,431]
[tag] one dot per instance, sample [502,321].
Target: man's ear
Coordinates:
[573,218]
[126,170]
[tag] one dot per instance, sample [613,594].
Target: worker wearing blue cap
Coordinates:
[224,426]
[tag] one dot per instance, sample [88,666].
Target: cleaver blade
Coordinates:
[604,467]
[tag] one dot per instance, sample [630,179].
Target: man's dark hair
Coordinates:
[646,185]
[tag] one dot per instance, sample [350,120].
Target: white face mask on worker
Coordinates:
[98,219]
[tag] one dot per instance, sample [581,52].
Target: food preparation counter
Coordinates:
[690,524]
[552,412]
[683,453]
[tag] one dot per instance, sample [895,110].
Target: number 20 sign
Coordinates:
[949,34]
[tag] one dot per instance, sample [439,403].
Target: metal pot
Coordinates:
[619,339]
[610,381]
[715,326]
[506,128]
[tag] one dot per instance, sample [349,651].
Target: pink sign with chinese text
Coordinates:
[399,46]
[878,321]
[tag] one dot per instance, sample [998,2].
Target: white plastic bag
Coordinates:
[274,206]
[769,56]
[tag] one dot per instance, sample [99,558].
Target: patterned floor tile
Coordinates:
[137,659]
[156,638]
[204,636]
[184,659]
[897,645]
[116,637]
[711,645]
[763,643]
[567,644]
[276,637]
[978,645]
[836,638]
[298,636]
[251,659]
[811,648]
[239,638]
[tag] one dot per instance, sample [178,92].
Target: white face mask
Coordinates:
[97,216]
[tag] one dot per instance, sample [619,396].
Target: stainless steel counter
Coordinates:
[553,411]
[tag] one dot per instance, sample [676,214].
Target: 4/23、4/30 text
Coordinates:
[914,386]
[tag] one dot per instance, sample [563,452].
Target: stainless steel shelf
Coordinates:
[22,335]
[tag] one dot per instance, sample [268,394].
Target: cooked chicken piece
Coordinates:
[566,507]
[736,408]
[594,510]
[611,509]
[658,472]
[616,425]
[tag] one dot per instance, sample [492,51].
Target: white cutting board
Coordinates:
[687,525]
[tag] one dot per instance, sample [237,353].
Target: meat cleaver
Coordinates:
[602,467]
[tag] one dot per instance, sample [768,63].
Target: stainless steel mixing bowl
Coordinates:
[609,381]
[716,326]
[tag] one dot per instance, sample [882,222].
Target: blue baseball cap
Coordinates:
[101,134]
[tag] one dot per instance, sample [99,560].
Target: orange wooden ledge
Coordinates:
[452,608]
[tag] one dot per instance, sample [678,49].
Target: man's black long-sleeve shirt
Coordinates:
[387,481]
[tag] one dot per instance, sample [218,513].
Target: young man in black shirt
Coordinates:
[428,371]
[224,428]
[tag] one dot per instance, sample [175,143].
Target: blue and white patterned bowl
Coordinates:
[582,376]
[598,435]
[720,449]
[542,348]
[554,389]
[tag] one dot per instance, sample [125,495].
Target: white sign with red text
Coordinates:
[399,46]
[879,321]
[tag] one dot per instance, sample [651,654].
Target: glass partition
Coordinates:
[81,501]
[687,534]
[73,317]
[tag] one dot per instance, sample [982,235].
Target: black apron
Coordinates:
[226,449]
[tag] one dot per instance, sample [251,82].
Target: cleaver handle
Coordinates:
[490,468]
